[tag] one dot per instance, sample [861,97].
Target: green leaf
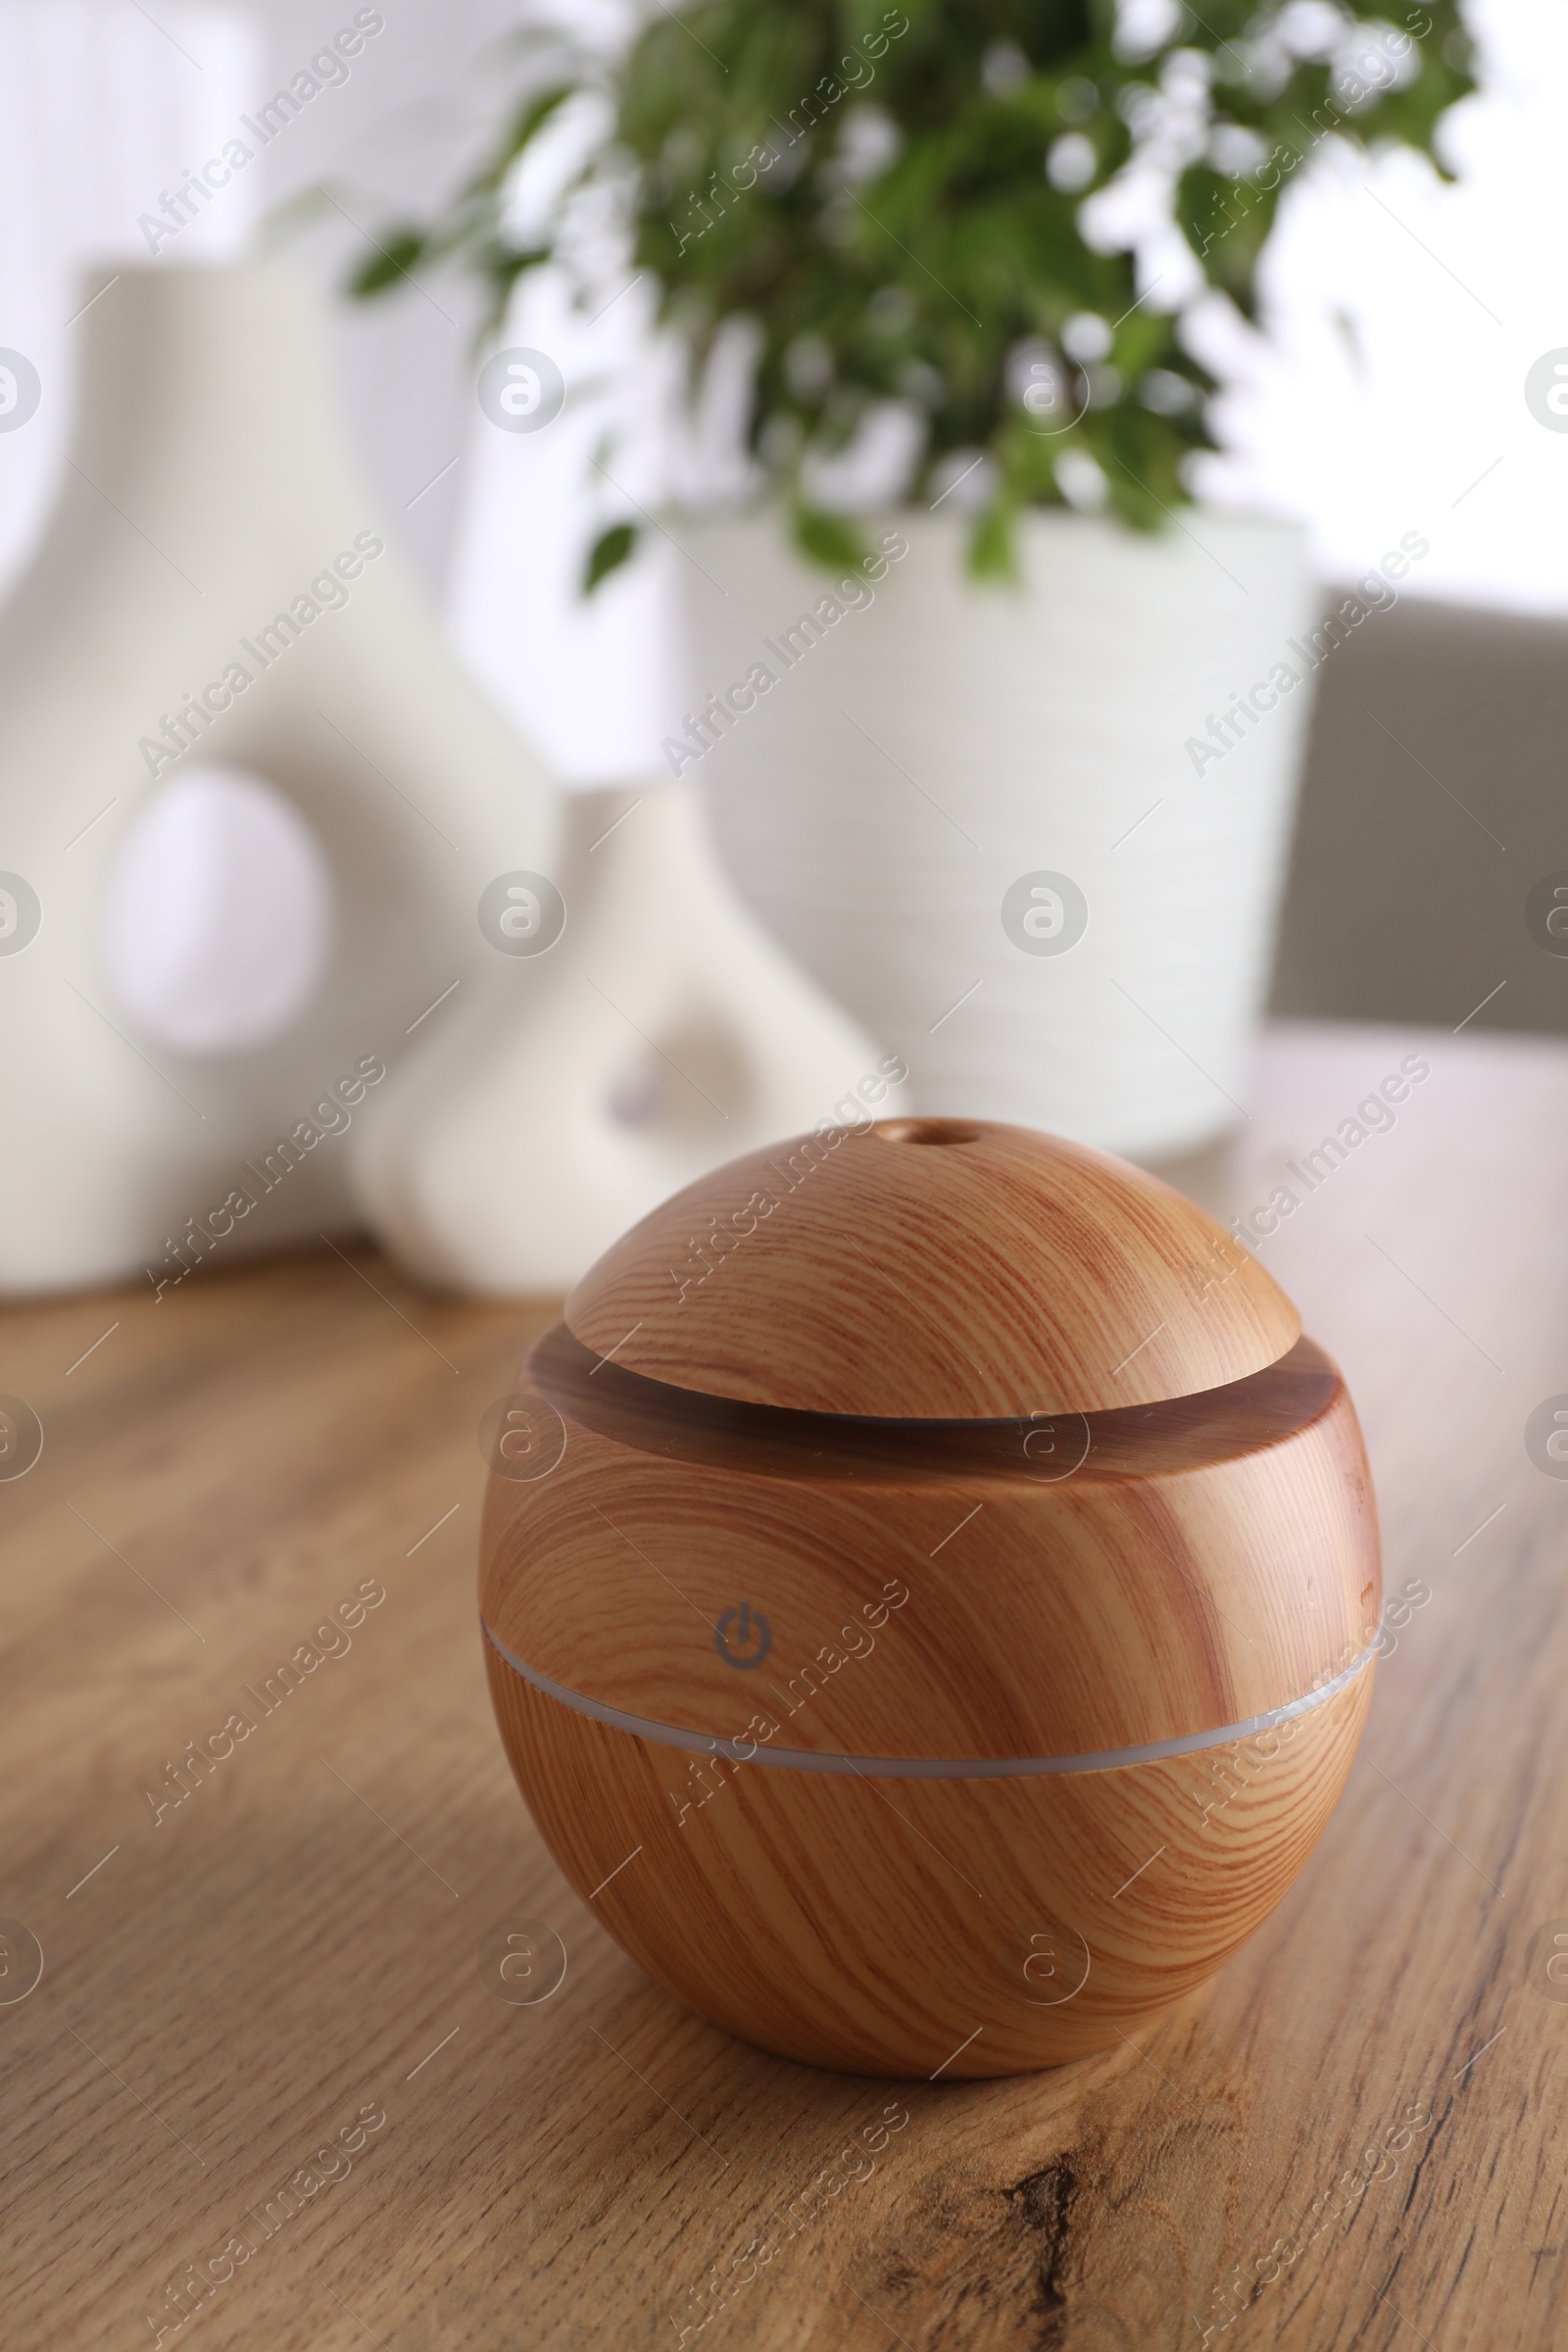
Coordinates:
[993,551]
[402,251]
[827,539]
[610,551]
[529,119]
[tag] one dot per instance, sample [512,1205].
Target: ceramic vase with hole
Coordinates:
[632,1028]
[1034,837]
[248,801]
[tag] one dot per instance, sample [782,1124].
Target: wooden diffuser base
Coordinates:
[923,1927]
[931,1743]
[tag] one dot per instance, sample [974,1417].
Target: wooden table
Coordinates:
[1349,2139]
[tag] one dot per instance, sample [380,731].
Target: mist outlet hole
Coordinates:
[927,1131]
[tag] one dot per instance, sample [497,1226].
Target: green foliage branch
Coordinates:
[890,203]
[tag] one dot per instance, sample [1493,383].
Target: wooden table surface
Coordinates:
[1349,2138]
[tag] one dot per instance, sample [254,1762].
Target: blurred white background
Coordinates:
[1405,314]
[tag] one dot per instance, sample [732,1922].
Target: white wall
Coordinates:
[1406,314]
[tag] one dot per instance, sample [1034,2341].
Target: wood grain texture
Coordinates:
[1079,1586]
[605,2169]
[1182,1577]
[964,1928]
[933,1268]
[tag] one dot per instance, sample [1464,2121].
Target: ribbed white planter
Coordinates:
[941,744]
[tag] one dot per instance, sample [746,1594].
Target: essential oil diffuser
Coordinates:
[930,1590]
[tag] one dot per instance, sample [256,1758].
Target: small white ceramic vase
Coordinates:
[633,1028]
[1004,826]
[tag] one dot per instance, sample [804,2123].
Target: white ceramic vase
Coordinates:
[212,607]
[1001,826]
[636,1028]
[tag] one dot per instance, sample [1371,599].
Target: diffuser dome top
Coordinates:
[933,1269]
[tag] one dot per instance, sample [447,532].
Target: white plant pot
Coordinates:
[941,745]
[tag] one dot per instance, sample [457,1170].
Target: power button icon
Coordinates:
[743,1636]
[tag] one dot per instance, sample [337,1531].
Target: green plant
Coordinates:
[891,201]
